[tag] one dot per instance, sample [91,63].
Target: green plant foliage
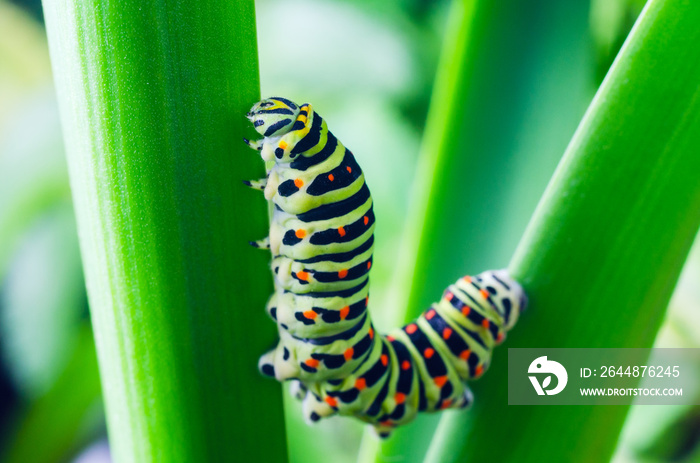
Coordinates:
[46,348]
[502,111]
[604,249]
[669,433]
[38,328]
[67,415]
[152,97]
[611,21]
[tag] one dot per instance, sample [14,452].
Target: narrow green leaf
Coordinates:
[492,90]
[604,249]
[491,144]
[152,98]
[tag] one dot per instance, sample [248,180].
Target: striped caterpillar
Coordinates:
[321,239]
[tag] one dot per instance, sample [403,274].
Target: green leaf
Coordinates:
[604,249]
[152,98]
[502,111]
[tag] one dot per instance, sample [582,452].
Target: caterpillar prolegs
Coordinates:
[321,239]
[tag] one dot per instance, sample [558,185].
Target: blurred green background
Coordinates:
[370,72]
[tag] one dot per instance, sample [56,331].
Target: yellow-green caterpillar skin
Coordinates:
[321,239]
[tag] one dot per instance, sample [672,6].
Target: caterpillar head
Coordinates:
[507,295]
[492,292]
[273,117]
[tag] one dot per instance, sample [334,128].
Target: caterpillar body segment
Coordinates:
[321,240]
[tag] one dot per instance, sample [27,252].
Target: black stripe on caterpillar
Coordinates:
[321,240]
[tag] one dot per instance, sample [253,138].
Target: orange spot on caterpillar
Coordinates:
[283,144]
[304,276]
[360,383]
[371,333]
[298,182]
[300,233]
[430,314]
[348,353]
[465,310]
[427,353]
[366,301]
[332,401]
[446,333]
[500,337]
[310,314]
[440,380]
[467,278]
[446,404]
[390,338]
[341,231]
[485,323]
[410,329]
[313,363]
[331,177]
[369,264]
[384,359]
[400,398]
[344,312]
[464,355]
[342,274]
[349,169]
[366,220]
[479,370]
[405,365]
[386,423]
[484,293]
[449,296]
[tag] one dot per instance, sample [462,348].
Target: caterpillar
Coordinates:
[321,240]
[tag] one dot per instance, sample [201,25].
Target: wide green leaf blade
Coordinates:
[152,98]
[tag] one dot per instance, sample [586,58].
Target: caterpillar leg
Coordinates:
[465,400]
[271,307]
[297,389]
[261,244]
[257,145]
[382,431]
[278,364]
[256,184]
[313,408]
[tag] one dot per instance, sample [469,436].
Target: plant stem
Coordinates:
[604,249]
[152,98]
